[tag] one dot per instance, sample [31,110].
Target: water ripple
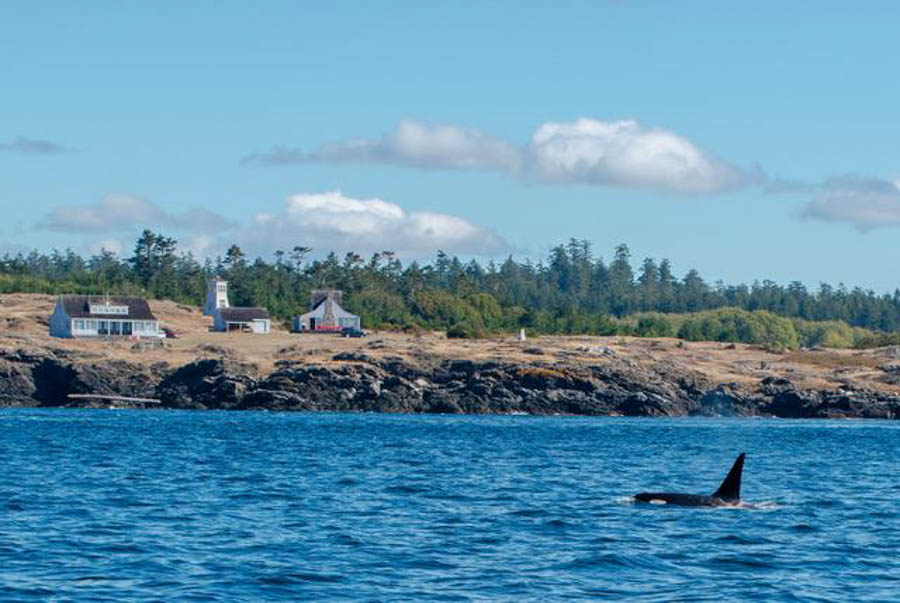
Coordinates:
[220,506]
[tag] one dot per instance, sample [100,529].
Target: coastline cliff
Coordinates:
[358,382]
[427,373]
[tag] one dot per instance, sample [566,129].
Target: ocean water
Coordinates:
[207,506]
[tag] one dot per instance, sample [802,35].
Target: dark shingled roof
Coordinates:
[243,314]
[77,307]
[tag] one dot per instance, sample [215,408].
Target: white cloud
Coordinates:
[413,143]
[325,221]
[332,221]
[200,246]
[199,220]
[33,146]
[624,153]
[114,212]
[112,245]
[866,203]
[118,212]
[618,153]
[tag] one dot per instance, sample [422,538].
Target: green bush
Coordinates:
[379,308]
[877,340]
[654,325]
[735,325]
[488,308]
[468,329]
[828,334]
[441,308]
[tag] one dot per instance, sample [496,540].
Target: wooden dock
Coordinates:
[113,398]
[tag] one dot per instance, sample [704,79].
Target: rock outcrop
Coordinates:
[37,377]
[204,384]
[358,382]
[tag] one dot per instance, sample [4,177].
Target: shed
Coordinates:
[327,316]
[246,320]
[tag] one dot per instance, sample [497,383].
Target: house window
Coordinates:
[79,325]
[108,309]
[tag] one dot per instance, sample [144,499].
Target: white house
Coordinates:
[87,316]
[326,314]
[216,296]
[243,320]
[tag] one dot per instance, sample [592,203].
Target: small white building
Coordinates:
[326,315]
[216,296]
[242,320]
[87,316]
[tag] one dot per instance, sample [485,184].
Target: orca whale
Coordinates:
[728,494]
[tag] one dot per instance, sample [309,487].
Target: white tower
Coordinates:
[216,296]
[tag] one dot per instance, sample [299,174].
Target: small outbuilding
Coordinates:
[243,320]
[94,316]
[326,314]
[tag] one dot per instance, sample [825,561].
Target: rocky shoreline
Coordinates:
[358,382]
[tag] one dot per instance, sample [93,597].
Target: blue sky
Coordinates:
[749,141]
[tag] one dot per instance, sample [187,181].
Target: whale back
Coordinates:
[730,489]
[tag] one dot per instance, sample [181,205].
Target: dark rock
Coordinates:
[210,383]
[727,401]
[55,379]
[792,404]
[354,357]
[267,399]
[772,386]
[358,382]
[17,385]
[642,404]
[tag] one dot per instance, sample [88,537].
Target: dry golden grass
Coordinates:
[542,372]
[835,359]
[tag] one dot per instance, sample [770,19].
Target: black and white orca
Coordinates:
[728,494]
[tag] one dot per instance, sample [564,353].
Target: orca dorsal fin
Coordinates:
[731,486]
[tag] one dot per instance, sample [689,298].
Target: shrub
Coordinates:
[828,334]
[379,308]
[735,325]
[441,308]
[467,329]
[877,340]
[654,325]
[488,308]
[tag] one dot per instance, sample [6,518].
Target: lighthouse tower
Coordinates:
[216,296]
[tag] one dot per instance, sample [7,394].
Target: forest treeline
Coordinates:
[572,291]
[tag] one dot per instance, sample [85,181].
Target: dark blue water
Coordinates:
[209,506]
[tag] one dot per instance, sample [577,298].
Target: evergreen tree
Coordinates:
[570,292]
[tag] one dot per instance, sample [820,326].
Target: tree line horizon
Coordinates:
[572,291]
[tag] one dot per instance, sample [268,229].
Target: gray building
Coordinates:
[244,320]
[326,314]
[87,316]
